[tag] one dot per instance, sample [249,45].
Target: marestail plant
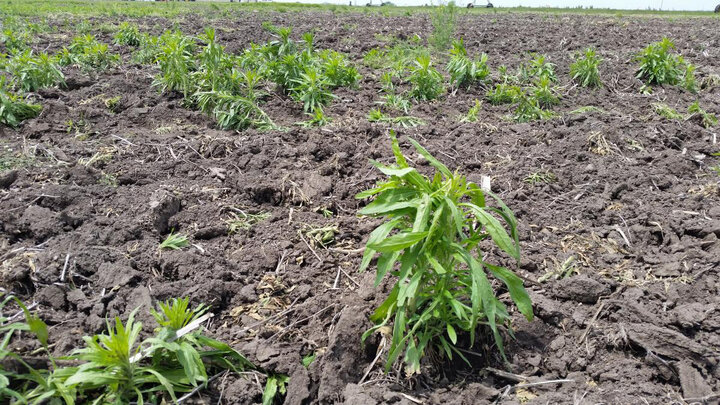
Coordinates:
[659,65]
[33,72]
[427,82]
[585,69]
[464,71]
[435,244]
[14,109]
[128,34]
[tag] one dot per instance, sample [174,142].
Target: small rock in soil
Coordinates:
[111,275]
[581,288]
[8,178]
[164,205]
[692,382]
[52,296]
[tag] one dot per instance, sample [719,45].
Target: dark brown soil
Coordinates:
[638,322]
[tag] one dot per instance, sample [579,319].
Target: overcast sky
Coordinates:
[617,4]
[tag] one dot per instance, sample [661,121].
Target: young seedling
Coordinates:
[666,111]
[128,34]
[406,121]
[658,65]
[311,89]
[503,93]
[88,54]
[429,244]
[34,72]
[427,82]
[317,119]
[708,120]
[541,177]
[395,102]
[545,95]
[14,109]
[472,114]
[538,69]
[528,109]
[174,241]
[585,69]
[240,220]
[464,71]
[444,19]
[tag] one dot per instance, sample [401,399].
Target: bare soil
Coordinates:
[634,215]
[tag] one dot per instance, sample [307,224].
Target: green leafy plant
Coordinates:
[688,80]
[312,89]
[427,82]
[317,119]
[585,69]
[472,114]
[176,63]
[430,244]
[503,93]
[88,54]
[444,20]
[540,177]
[405,121]
[128,34]
[34,72]
[276,384]
[14,109]
[708,120]
[174,241]
[658,65]
[539,68]
[235,111]
[395,102]
[463,70]
[528,108]
[338,71]
[545,94]
[666,111]
[14,41]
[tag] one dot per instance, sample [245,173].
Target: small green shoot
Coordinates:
[585,69]
[540,177]
[174,241]
[472,114]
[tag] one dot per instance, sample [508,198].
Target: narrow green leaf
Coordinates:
[515,286]
[451,333]
[496,231]
[384,310]
[398,242]
[377,235]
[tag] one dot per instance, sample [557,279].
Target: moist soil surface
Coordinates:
[624,241]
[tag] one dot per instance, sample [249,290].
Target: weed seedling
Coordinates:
[128,34]
[666,111]
[503,93]
[429,244]
[472,114]
[542,177]
[708,120]
[240,220]
[426,80]
[34,72]
[464,71]
[395,102]
[174,241]
[317,119]
[444,19]
[88,54]
[658,65]
[14,109]
[585,69]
